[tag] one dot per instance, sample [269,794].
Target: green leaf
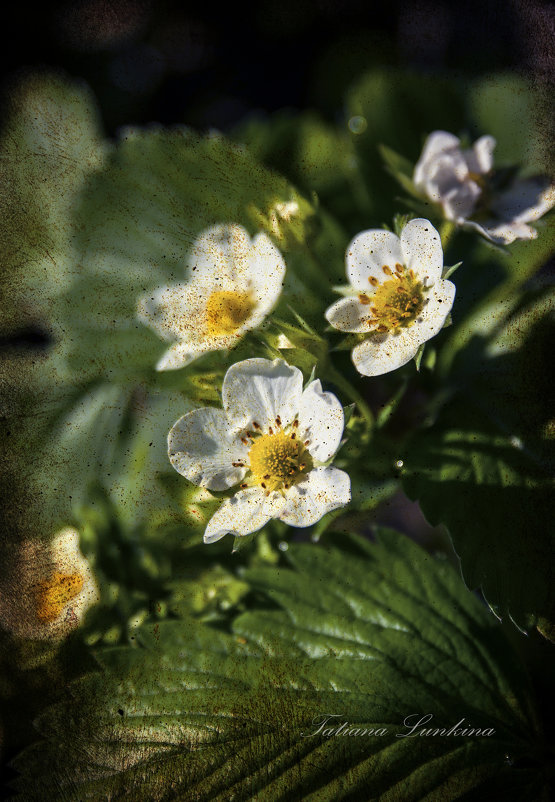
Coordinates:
[368,635]
[484,468]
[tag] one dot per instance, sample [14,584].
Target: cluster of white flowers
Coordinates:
[273,439]
[462,181]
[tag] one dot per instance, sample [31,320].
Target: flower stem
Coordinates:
[346,387]
[446,231]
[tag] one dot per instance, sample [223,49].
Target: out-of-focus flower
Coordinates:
[48,588]
[471,193]
[273,439]
[396,296]
[233,284]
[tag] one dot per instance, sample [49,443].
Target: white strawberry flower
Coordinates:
[273,439]
[48,588]
[233,283]
[396,297]
[463,182]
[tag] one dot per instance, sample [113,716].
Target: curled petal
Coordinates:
[368,253]
[526,201]
[202,448]
[321,421]
[459,202]
[437,144]
[245,512]
[422,251]
[323,490]
[261,390]
[480,157]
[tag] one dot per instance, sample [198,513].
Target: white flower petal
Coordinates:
[264,274]
[366,255]
[422,251]
[219,256]
[439,302]
[260,390]
[505,233]
[382,353]
[459,202]
[480,157]
[348,314]
[323,490]
[526,201]
[438,143]
[321,421]
[202,448]
[178,355]
[245,512]
[174,312]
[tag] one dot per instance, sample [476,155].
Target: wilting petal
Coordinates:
[202,448]
[349,314]
[438,143]
[260,390]
[245,512]
[459,203]
[323,490]
[480,157]
[368,253]
[321,421]
[422,251]
[526,201]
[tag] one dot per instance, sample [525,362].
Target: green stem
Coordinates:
[345,386]
[446,231]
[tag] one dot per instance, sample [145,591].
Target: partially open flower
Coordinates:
[48,589]
[397,296]
[233,283]
[273,439]
[471,193]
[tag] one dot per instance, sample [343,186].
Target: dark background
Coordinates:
[190,63]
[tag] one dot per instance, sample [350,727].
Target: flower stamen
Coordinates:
[278,460]
[397,302]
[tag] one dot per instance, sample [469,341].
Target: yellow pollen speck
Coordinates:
[277,461]
[226,311]
[54,593]
[397,302]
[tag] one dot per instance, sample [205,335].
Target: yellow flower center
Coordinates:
[226,311]
[397,302]
[278,460]
[54,593]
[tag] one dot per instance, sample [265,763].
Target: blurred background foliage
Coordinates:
[305,95]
